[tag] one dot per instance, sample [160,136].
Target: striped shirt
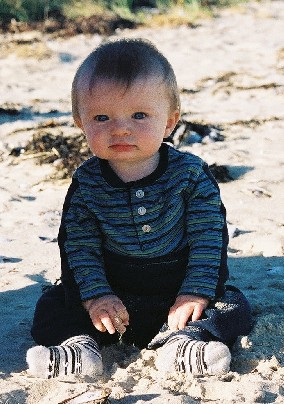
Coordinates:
[177,205]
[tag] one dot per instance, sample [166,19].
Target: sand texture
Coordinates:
[230,71]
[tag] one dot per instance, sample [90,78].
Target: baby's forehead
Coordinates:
[88,84]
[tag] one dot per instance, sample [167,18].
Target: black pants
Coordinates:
[148,288]
[223,320]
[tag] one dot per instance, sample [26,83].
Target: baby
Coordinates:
[143,236]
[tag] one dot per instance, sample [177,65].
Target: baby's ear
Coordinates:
[171,122]
[78,123]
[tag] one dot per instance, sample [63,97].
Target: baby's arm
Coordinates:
[184,308]
[107,313]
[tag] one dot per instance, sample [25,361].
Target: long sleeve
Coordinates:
[207,238]
[80,244]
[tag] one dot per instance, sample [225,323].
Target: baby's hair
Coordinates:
[124,61]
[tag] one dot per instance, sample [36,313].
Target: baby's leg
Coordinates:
[53,323]
[195,349]
[76,355]
[183,354]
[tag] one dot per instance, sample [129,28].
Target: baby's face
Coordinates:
[125,124]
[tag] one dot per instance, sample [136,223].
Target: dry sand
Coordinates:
[232,68]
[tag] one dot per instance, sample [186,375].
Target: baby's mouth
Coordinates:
[122,147]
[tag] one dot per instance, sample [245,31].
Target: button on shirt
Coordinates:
[146,228]
[142,210]
[140,193]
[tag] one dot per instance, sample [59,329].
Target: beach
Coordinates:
[230,71]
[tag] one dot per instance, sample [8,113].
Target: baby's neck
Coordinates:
[136,171]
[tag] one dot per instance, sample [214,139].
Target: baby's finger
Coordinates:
[183,318]
[106,322]
[173,321]
[98,324]
[197,312]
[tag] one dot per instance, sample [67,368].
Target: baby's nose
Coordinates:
[121,128]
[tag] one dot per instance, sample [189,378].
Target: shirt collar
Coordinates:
[113,179]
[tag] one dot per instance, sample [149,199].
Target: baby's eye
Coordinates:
[101,118]
[139,115]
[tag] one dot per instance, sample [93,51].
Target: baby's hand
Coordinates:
[108,313]
[186,306]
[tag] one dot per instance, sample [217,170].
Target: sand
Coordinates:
[230,70]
